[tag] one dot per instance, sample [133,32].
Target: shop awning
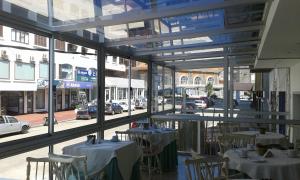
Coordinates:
[18,86]
[123,82]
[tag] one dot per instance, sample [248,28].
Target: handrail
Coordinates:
[197,117]
[244,112]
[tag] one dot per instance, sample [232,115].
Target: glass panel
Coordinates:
[44,70]
[139,85]
[24,71]
[4,69]
[23,93]
[116,87]
[201,89]
[15,167]
[75,96]
[168,89]
[157,91]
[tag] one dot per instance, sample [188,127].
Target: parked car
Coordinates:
[83,113]
[92,110]
[141,103]
[113,108]
[209,101]
[200,104]
[124,105]
[9,124]
[190,108]
[160,100]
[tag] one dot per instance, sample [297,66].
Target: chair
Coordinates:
[69,167]
[206,168]
[37,164]
[150,151]
[230,141]
[123,135]
[228,128]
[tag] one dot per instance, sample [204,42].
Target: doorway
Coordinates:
[30,102]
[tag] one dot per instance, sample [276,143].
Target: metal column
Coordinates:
[129,90]
[101,91]
[174,89]
[163,88]
[149,91]
[51,85]
[225,89]
[231,90]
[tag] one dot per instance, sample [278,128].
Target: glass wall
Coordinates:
[116,87]
[168,89]
[75,94]
[139,86]
[157,88]
[23,84]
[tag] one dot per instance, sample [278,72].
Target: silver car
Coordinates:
[9,124]
[141,103]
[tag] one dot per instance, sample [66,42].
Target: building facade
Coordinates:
[24,69]
[195,82]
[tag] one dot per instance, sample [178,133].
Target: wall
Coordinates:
[295,89]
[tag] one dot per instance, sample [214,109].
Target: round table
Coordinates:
[278,167]
[270,138]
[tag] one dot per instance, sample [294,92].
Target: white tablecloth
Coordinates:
[99,155]
[266,139]
[161,137]
[279,167]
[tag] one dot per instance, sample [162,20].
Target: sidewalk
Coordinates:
[37,119]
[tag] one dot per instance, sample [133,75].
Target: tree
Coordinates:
[209,89]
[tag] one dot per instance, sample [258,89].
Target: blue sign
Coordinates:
[86,75]
[76,84]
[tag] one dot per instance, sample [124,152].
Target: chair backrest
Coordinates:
[69,167]
[40,166]
[207,168]
[228,128]
[297,144]
[229,141]
[123,135]
[145,141]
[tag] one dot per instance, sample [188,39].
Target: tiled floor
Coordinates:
[175,175]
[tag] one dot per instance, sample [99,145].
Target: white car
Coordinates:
[124,105]
[9,124]
[200,104]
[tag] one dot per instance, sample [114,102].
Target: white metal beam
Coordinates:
[210,63]
[201,55]
[191,47]
[143,15]
[180,35]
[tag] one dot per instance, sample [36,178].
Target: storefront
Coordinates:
[17,98]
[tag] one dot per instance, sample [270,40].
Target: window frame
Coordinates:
[26,64]
[8,69]
[18,38]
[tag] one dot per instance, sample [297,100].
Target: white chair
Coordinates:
[230,141]
[150,151]
[206,168]
[123,135]
[69,167]
[40,167]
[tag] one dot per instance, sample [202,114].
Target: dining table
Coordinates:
[277,167]
[269,138]
[118,160]
[166,139]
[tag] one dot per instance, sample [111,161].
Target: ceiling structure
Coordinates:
[278,48]
[185,34]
